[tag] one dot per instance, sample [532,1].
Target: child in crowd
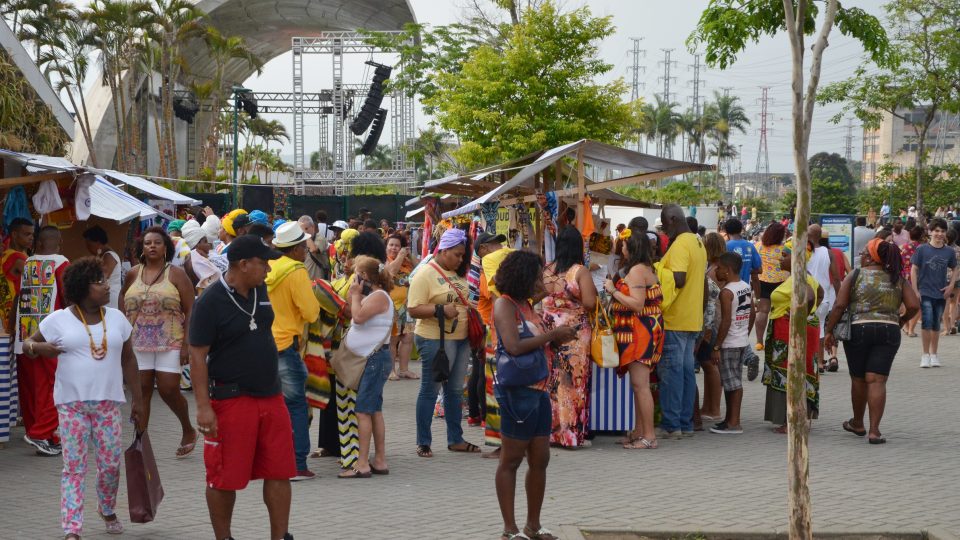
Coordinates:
[732,349]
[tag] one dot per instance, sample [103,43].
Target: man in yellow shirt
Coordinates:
[686,261]
[294,306]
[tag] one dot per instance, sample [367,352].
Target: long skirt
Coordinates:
[347,426]
[776,352]
[491,433]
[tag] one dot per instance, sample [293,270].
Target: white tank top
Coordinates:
[365,338]
[738,335]
[114,280]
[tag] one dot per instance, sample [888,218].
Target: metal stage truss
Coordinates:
[335,109]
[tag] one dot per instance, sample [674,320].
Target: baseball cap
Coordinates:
[490,238]
[340,224]
[249,246]
[241,221]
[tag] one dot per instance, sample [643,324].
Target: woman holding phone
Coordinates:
[400,262]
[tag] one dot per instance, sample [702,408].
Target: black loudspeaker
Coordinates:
[248,103]
[185,108]
[374,98]
[374,136]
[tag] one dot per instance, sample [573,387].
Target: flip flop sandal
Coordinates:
[393,376]
[468,448]
[409,375]
[542,534]
[113,525]
[877,440]
[514,536]
[356,473]
[848,427]
[185,450]
[323,452]
[424,451]
[628,439]
[375,470]
[642,444]
[834,365]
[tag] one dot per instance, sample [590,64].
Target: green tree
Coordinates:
[923,75]
[834,188]
[941,187]
[534,90]
[728,116]
[724,30]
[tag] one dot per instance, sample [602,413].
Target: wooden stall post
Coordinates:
[581,189]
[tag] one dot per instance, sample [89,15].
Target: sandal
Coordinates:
[72,536]
[493,454]
[393,376]
[834,365]
[781,430]
[375,470]
[847,426]
[876,440]
[424,451]
[542,534]
[354,472]
[185,450]
[323,452]
[467,448]
[514,536]
[642,444]
[629,438]
[113,525]
[409,375]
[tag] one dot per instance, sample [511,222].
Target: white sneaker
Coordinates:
[925,361]
[934,361]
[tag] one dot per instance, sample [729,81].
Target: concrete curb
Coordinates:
[573,532]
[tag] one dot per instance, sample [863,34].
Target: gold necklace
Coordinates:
[99,353]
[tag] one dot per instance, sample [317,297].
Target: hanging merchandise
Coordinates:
[82,197]
[523,223]
[47,198]
[15,207]
[429,209]
[587,213]
[489,212]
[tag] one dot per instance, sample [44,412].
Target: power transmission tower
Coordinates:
[726,90]
[696,83]
[636,69]
[667,79]
[848,141]
[763,157]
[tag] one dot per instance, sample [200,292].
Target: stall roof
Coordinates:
[110,202]
[149,187]
[641,168]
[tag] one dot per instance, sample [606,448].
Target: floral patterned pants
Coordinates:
[81,421]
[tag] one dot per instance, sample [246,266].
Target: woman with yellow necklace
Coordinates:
[95,359]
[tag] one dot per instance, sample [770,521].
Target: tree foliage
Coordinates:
[679,192]
[535,88]
[834,188]
[941,187]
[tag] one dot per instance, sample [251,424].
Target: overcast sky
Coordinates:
[662,25]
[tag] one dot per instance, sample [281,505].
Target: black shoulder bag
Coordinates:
[441,364]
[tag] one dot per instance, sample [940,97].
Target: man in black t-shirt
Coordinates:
[240,410]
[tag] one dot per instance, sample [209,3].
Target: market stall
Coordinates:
[528,198]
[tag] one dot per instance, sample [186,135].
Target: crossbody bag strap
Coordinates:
[452,286]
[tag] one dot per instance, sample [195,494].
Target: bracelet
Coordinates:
[31,349]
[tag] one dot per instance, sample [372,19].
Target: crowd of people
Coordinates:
[279,325]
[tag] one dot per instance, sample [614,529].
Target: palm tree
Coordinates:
[321,160]
[431,146]
[69,59]
[223,49]
[664,125]
[172,23]
[42,21]
[730,116]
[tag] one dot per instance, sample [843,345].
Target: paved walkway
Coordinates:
[710,482]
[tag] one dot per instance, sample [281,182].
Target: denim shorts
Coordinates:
[375,374]
[524,412]
[931,312]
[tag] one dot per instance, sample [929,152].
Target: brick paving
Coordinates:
[710,482]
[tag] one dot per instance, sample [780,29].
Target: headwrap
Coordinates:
[345,242]
[227,221]
[175,225]
[277,224]
[452,237]
[192,233]
[259,216]
[873,248]
[211,227]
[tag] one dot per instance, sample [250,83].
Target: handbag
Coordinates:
[144,490]
[841,330]
[441,364]
[524,369]
[348,365]
[603,342]
[476,330]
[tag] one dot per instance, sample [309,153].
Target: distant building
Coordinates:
[895,141]
[762,185]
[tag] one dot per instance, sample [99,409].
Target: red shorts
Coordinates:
[254,441]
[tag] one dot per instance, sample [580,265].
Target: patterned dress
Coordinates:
[639,337]
[569,382]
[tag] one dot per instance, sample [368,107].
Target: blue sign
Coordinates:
[839,229]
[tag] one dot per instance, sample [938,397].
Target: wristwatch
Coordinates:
[716,348]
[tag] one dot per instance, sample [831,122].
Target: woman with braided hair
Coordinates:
[874,294]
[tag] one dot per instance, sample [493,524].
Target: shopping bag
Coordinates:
[144,491]
[603,343]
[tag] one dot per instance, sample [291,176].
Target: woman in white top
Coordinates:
[95,359]
[369,335]
[96,240]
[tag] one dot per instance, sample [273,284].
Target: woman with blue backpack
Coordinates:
[520,385]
